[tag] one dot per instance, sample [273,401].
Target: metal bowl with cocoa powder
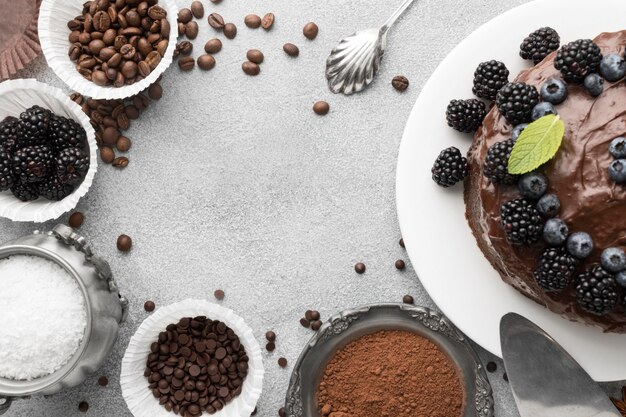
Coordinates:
[350,325]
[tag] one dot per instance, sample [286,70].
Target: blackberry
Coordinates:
[555,270]
[66,133]
[539,44]
[489,77]
[8,133]
[25,191]
[578,59]
[54,189]
[33,126]
[521,221]
[496,163]
[596,291]
[466,115]
[450,167]
[71,165]
[32,163]
[516,101]
[6,170]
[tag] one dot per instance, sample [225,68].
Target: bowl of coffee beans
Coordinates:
[108,49]
[47,151]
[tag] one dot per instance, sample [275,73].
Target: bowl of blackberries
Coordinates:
[47,152]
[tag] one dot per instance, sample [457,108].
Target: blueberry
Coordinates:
[618,147]
[617,171]
[612,67]
[620,278]
[594,84]
[517,130]
[542,109]
[580,245]
[554,91]
[533,185]
[549,205]
[613,259]
[555,232]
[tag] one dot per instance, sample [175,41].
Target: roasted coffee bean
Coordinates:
[144,69]
[206,62]
[216,21]
[75,25]
[131,111]
[310,30]
[291,49]
[129,69]
[122,122]
[185,47]
[74,52]
[84,38]
[149,306]
[133,18]
[128,51]
[144,47]
[161,47]
[95,46]
[157,13]
[186,63]
[321,107]
[101,21]
[213,46]
[359,268]
[123,144]
[109,37]
[315,326]
[124,242]
[165,28]
[400,264]
[73,37]
[140,101]
[185,15]
[304,322]
[106,154]
[76,220]
[155,91]
[252,21]
[315,315]
[120,41]
[181,28]
[268,21]
[400,82]
[230,30]
[256,56]
[407,299]
[153,59]
[110,135]
[191,31]
[197,9]
[250,68]
[99,78]
[107,53]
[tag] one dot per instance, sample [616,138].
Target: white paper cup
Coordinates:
[53,36]
[134,384]
[17,96]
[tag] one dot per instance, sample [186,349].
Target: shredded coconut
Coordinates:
[42,317]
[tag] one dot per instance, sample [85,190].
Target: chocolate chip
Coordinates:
[252,21]
[282,362]
[359,268]
[400,83]
[407,299]
[491,367]
[256,56]
[268,21]
[304,322]
[149,306]
[321,108]
[76,219]
[83,406]
[219,294]
[230,30]
[270,336]
[400,264]
[310,30]
[103,381]
[291,49]
[213,46]
[124,243]
[270,346]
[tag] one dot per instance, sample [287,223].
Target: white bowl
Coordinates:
[53,36]
[17,96]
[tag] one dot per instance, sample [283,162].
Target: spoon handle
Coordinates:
[396,15]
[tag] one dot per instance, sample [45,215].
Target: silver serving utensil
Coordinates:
[546,380]
[353,63]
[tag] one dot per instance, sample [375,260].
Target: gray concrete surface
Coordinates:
[234,183]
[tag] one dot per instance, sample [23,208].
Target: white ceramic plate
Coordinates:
[439,242]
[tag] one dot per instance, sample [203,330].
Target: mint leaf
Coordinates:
[537,144]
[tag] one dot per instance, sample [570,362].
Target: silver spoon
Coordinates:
[353,63]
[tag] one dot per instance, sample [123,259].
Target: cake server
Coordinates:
[354,62]
[546,380]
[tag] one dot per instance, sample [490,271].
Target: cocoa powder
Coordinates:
[391,373]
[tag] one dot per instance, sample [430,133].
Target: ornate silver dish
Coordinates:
[349,325]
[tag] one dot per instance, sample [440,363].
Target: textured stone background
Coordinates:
[234,183]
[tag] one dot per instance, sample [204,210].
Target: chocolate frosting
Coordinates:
[590,200]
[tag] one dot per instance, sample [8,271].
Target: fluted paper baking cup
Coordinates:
[19,44]
[134,384]
[53,36]
[17,96]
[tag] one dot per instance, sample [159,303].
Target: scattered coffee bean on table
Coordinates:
[184,48]
[216,21]
[321,108]
[106,154]
[491,367]
[230,30]
[83,406]
[304,322]
[400,264]
[103,381]
[359,268]
[206,62]
[250,68]
[400,82]
[316,325]
[282,362]
[149,306]
[213,46]
[255,56]
[268,21]
[124,243]
[76,220]
[191,30]
[252,21]
[308,315]
[155,91]
[197,9]
[291,49]
[120,162]
[270,336]
[315,315]
[123,144]
[407,299]
[196,365]
[186,63]
[185,15]
[270,346]
[310,30]
[219,294]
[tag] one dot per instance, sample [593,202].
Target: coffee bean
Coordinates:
[315,326]
[123,144]
[304,322]
[315,315]
[400,82]
[132,112]
[216,21]
[124,243]
[407,299]
[101,21]
[230,30]
[144,69]
[255,56]
[120,162]
[213,46]
[400,264]
[268,21]
[310,30]
[191,31]
[197,9]
[110,135]
[186,63]
[270,346]
[83,406]
[103,381]
[181,28]
[401,242]
[250,68]
[270,336]
[155,91]
[149,306]
[282,362]
[359,268]
[291,49]
[253,21]
[129,69]
[219,294]
[184,15]
[491,367]
[206,62]
[99,78]
[185,47]
[157,12]
[308,315]
[321,108]
[95,46]
[76,220]
[106,154]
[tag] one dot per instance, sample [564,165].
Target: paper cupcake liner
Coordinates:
[23,44]
[17,96]
[53,36]
[134,384]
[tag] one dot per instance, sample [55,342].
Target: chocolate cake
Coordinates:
[590,200]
